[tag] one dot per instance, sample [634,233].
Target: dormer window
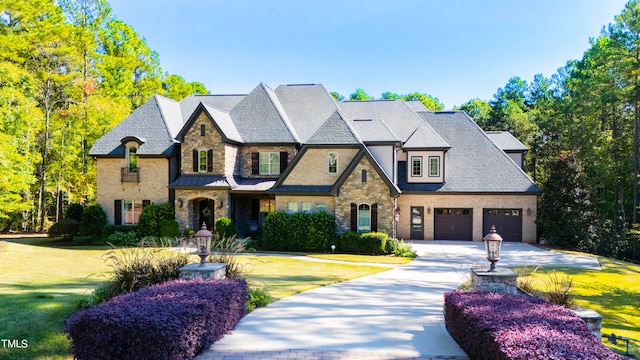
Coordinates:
[133,159]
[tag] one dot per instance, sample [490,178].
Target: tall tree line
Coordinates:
[69,72]
[581,126]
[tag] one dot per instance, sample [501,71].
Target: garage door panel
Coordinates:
[453,224]
[508,223]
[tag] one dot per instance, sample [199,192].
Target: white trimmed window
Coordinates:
[364,218]
[416,166]
[434,166]
[269,163]
[320,207]
[131,211]
[292,207]
[332,163]
[306,207]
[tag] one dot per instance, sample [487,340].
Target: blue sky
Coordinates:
[454,50]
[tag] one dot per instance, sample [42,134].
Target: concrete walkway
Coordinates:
[395,314]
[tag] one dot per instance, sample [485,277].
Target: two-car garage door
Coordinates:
[457,223]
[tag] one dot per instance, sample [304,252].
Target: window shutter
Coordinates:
[145,203]
[209,160]
[255,163]
[195,160]
[283,161]
[374,217]
[117,212]
[354,217]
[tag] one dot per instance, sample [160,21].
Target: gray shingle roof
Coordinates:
[506,141]
[473,164]
[425,138]
[334,131]
[221,102]
[398,117]
[373,130]
[416,106]
[308,106]
[150,122]
[259,120]
[224,123]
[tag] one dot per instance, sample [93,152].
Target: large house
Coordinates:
[390,166]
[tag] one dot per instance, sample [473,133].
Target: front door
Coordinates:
[205,213]
[417,223]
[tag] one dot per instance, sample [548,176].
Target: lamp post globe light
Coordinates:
[492,243]
[203,242]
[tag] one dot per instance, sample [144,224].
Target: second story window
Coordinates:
[416,166]
[202,161]
[434,166]
[332,163]
[133,159]
[269,163]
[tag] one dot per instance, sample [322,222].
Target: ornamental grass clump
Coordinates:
[559,289]
[518,327]
[173,320]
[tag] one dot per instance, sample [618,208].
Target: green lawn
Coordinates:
[40,286]
[614,292]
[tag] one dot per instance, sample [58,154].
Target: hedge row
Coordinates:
[366,243]
[298,232]
[173,320]
[509,327]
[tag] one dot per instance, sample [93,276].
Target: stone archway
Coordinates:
[203,211]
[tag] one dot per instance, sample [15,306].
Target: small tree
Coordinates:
[92,221]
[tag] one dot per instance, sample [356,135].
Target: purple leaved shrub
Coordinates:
[172,320]
[516,327]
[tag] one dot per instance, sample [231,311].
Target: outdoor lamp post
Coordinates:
[492,243]
[203,242]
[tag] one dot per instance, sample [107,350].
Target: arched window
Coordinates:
[364,218]
[133,159]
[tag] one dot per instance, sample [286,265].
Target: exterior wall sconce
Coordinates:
[220,204]
[528,211]
[492,243]
[429,210]
[180,203]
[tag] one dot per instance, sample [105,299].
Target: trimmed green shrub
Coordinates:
[225,227]
[67,228]
[109,229]
[74,212]
[169,228]
[275,232]
[298,230]
[391,246]
[365,243]
[322,232]
[123,239]
[258,297]
[151,218]
[92,221]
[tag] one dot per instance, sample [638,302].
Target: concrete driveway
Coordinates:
[395,314]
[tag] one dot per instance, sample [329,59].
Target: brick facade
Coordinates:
[212,140]
[187,214]
[246,163]
[312,167]
[527,203]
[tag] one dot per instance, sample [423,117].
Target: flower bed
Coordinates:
[172,320]
[503,326]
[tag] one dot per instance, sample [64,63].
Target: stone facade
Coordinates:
[246,163]
[373,191]
[311,169]
[527,203]
[187,214]
[212,140]
[153,182]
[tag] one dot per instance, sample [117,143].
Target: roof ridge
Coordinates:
[280,109]
[156,97]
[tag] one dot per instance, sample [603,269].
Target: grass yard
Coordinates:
[40,286]
[614,292]
[394,260]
